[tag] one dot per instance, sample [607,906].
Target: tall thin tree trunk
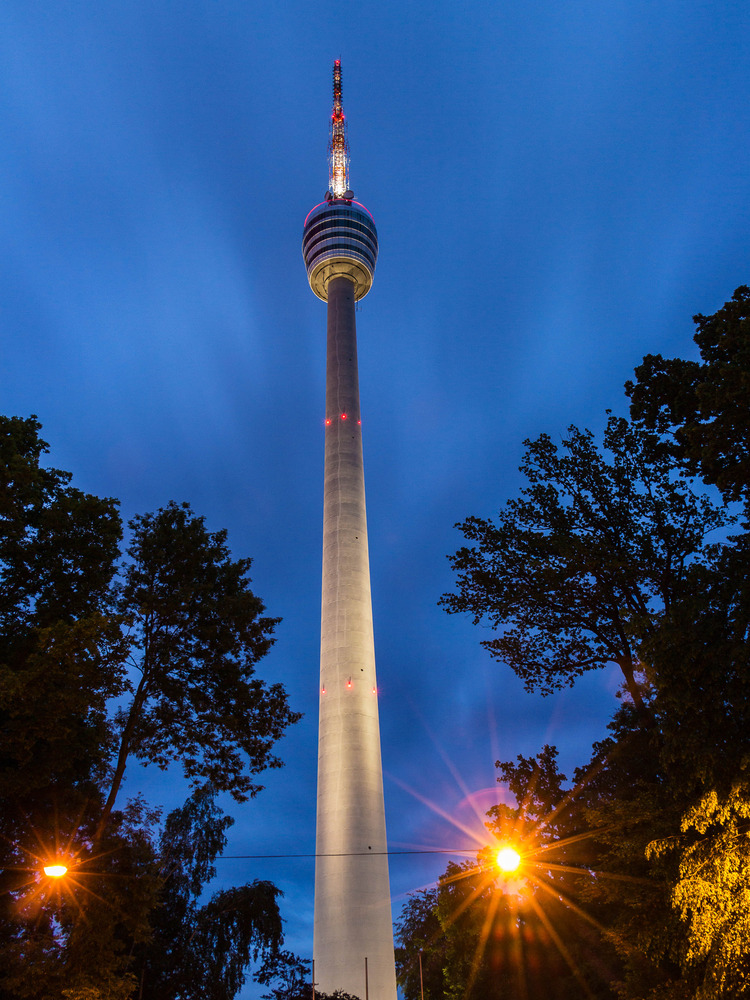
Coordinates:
[123,753]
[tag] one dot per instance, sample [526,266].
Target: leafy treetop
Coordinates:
[577,572]
[705,404]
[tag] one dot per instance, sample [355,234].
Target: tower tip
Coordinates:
[338,145]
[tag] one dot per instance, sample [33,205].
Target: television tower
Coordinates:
[353,945]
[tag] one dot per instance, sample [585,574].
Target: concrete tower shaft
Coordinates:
[353,948]
[352,893]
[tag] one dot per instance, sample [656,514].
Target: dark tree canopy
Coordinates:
[578,571]
[613,559]
[61,656]
[485,936]
[61,662]
[421,949]
[74,938]
[154,659]
[58,546]
[202,951]
[705,404]
[196,632]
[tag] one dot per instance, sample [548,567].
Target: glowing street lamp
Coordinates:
[55,871]
[508,858]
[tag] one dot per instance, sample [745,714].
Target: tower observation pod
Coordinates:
[353,944]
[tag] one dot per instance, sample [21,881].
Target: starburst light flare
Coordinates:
[508,858]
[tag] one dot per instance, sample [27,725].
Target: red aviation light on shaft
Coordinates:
[338,145]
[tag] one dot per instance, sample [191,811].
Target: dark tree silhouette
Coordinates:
[704,406]
[579,570]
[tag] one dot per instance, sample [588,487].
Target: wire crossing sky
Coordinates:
[558,188]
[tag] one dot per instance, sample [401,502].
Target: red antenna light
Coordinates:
[343,416]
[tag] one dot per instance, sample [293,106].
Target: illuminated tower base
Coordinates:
[353,947]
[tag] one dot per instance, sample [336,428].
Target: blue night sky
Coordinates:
[558,188]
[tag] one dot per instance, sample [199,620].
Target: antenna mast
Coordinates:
[338,145]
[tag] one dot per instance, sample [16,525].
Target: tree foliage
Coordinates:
[61,656]
[421,950]
[484,934]
[613,559]
[201,951]
[196,631]
[711,894]
[101,661]
[58,546]
[704,406]
[61,661]
[74,937]
[578,571]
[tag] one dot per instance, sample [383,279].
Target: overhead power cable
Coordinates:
[347,854]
